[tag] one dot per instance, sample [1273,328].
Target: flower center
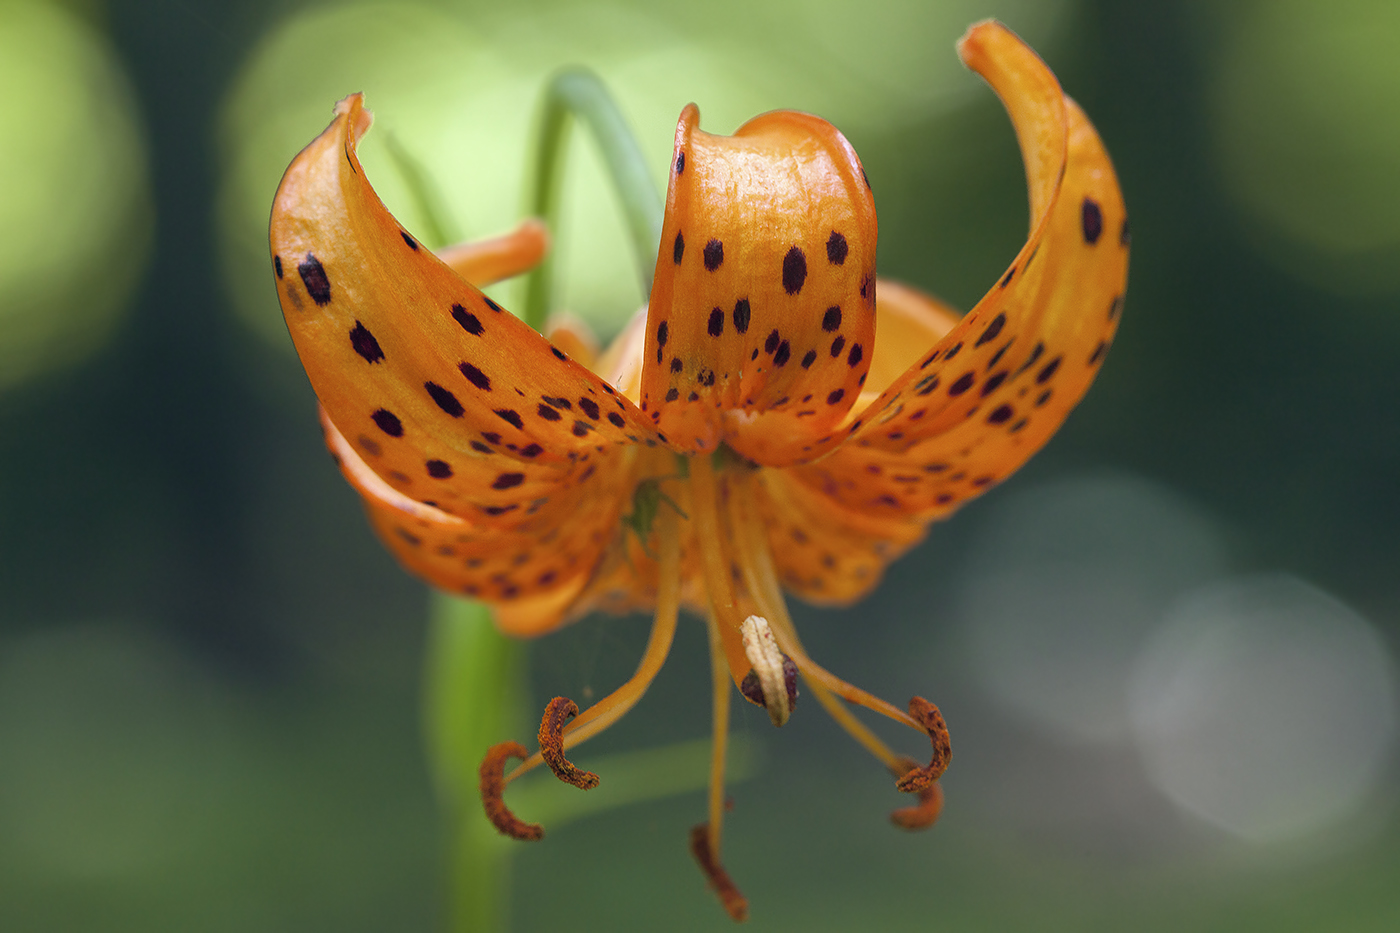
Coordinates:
[707,514]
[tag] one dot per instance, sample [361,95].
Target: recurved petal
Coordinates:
[761,318]
[994,390]
[449,398]
[824,552]
[531,572]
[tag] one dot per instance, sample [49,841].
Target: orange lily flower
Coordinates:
[751,431]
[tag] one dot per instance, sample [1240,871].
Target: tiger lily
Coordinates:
[751,431]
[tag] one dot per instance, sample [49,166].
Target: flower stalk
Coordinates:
[577,94]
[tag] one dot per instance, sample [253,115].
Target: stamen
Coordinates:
[928,716]
[734,902]
[493,786]
[715,555]
[705,838]
[924,813]
[762,580]
[663,632]
[772,683]
[559,711]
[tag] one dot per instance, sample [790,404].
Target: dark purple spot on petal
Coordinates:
[475,376]
[388,422]
[992,330]
[1091,217]
[742,313]
[445,399]
[508,480]
[365,344]
[313,276]
[714,255]
[836,249]
[794,270]
[469,321]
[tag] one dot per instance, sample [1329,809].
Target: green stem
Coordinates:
[576,93]
[472,689]
[436,228]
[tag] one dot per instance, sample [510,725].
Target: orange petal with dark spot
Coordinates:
[761,320]
[983,398]
[531,569]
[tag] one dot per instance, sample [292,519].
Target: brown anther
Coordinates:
[924,813]
[928,716]
[559,711]
[493,788]
[734,902]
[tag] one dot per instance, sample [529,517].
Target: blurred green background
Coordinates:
[1166,649]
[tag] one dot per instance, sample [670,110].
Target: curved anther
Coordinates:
[493,787]
[772,680]
[559,711]
[928,716]
[923,814]
[734,902]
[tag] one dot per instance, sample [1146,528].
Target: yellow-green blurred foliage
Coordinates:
[1307,112]
[75,220]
